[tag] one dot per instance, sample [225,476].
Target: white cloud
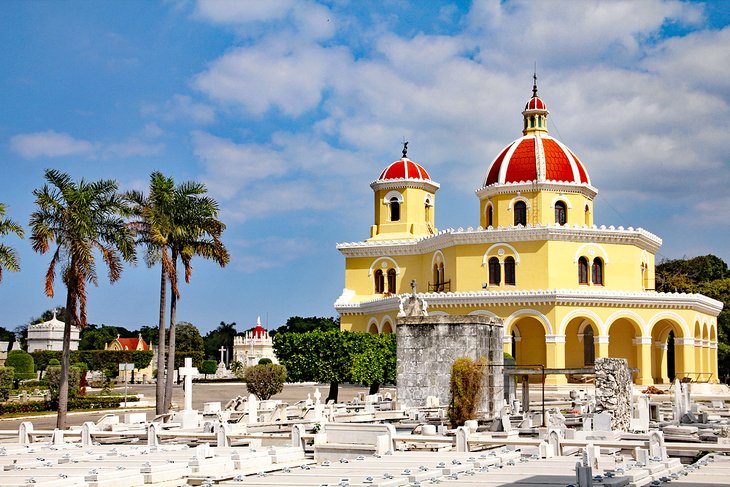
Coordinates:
[55,144]
[181,108]
[49,144]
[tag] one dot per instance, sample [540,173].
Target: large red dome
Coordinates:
[404,169]
[536,157]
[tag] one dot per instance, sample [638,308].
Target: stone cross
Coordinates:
[222,350]
[188,371]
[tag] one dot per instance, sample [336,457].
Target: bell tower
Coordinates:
[405,201]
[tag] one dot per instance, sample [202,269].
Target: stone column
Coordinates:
[643,360]
[601,343]
[661,349]
[555,358]
[684,357]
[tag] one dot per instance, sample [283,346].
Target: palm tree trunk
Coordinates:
[66,354]
[160,383]
[171,342]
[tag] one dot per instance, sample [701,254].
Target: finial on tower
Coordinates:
[405,149]
[534,81]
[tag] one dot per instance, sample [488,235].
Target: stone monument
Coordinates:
[428,345]
[613,391]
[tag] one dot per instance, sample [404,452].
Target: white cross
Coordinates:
[222,350]
[188,371]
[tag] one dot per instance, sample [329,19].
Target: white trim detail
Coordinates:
[385,319]
[684,341]
[507,340]
[581,253]
[388,259]
[624,314]
[437,313]
[532,313]
[438,258]
[481,312]
[668,315]
[563,199]
[518,198]
[554,338]
[642,340]
[580,312]
[372,322]
[600,339]
[429,199]
[661,345]
[486,256]
[393,194]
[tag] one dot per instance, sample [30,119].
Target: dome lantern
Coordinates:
[535,112]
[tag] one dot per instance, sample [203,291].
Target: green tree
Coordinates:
[466,388]
[222,336]
[175,222]
[23,364]
[6,336]
[297,324]
[264,381]
[95,338]
[8,256]
[208,367]
[79,219]
[187,338]
[149,334]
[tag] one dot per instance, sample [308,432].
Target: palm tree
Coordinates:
[196,218]
[153,227]
[8,256]
[79,218]
[174,221]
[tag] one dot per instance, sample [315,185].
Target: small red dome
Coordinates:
[404,169]
[535,103]
[536,158]
[258,331]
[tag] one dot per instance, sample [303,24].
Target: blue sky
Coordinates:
[287,110]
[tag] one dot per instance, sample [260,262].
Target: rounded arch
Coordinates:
[488,253]
[697,331]
[393,194]
[585,250]
[386,325]
[429,199]
[385,260]
[515,200]
[511,319]
[682,328]
[489,214]
[438,258]
[635,319]
[563,199]
[705,332]
[373,327]
[482,312]
[713,333]
[585,313]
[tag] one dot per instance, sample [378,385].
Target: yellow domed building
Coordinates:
[568,291]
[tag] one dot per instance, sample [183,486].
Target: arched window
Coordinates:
[597,272]
[509,271]
[394,209]
[582,270]
[539,121]
[436,275]
[561,213]
[587,212]
[427,214]
[589,350]
[494,271]
[520,213]
[532,121]
[391,280]
[379,282]
[490,216]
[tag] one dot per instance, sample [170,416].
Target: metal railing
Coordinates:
[440,287]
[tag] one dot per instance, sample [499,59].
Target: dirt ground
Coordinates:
[202,393]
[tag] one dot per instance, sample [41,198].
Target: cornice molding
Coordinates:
[532,186]
[450,238]
[426,184]
[555,297]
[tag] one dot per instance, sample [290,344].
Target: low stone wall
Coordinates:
[427,348]
[613,391]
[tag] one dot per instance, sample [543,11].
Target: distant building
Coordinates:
[49,336]
[5,347]
[138,344]
[254,346]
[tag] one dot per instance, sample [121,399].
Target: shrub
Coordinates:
[53,375]
[23,364]
[6,382]
[263,381]
[54,362]
[238,369]
[467,387]
[265,361]
[24,407]
[208,367]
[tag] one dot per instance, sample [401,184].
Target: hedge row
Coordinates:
[85,402]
